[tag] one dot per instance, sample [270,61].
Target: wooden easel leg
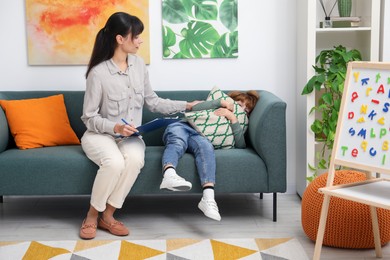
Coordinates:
[321,227]
[375,229]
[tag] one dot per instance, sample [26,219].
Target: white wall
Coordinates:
[385,50]
[267,39]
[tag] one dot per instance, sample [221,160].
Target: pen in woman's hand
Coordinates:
[135,132]
[124,121]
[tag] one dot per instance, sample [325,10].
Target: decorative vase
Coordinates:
[345,7]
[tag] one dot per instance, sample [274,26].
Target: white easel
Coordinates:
[364,105]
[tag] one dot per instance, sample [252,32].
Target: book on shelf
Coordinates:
[345,19]
[343,22]
[340,22]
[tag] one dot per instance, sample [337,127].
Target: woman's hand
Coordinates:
[125,130]
[227,104]
[226,113]
[189,105]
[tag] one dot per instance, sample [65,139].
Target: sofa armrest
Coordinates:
[267,135]
[4,132]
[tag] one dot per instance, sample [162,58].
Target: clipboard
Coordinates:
[153,124]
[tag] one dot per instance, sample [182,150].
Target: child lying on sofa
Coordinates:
[181,137]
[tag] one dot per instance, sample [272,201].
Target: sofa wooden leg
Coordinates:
[274,207]
[1,199]
[261,196]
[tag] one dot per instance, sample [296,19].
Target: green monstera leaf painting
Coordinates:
[196,29]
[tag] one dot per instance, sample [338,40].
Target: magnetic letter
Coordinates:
[385,146]
[344,149]
[356,76]
[352,131]
[364,145]
[383,159]
[381,121]
[372,152]
[386,107]
[350,115]
[365,81]
[354,152]
[368,90]
[382,132]
[378,76]
[372,114]
[354,96]
[363,109]
[361,120]
[381,89]
[372,133]
[362,133]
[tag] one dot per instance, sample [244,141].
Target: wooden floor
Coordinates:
[167,216]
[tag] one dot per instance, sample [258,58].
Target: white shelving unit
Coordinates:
[311,41]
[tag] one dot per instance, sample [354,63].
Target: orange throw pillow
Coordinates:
[39,122]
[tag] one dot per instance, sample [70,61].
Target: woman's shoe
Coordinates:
[88,231]
[117,228]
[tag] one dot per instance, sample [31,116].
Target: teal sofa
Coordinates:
[65,170]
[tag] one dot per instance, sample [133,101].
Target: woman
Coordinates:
[117,88]
[181,137]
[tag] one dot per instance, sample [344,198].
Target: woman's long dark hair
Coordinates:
[119,23]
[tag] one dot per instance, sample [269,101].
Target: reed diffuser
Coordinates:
[327,22]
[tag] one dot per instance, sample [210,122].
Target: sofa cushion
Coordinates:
[235,172]
[217,128]
[55,170]
[39,122]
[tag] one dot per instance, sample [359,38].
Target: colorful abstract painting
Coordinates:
[62,32]
[200,29]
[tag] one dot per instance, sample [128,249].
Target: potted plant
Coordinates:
[328,81]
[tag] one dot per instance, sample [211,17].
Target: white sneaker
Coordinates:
[210,209]
[175,183]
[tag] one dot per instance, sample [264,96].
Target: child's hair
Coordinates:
[249,98]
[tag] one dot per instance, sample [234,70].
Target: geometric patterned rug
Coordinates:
[170,249]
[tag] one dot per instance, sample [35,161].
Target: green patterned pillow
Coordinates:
[217,128]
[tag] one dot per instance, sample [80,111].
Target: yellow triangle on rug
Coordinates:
[217,249]
[265,243]
[43,251]
[223,251]
[86,244]
[131,250]
[173,244]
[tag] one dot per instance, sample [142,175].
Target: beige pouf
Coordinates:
[349,223]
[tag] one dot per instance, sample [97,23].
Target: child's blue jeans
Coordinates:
[179,138]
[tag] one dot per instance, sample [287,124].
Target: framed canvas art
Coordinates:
[63,32]
[195,29]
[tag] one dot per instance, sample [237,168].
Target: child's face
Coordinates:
[243,105]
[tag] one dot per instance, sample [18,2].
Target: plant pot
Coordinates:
[345,7]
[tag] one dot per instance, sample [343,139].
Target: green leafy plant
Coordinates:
[192,29]
[330,71]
